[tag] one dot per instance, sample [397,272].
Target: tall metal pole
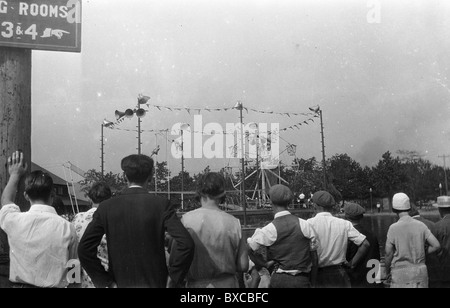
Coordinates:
[139,135]
[323,151]
[445,174]
[182,171]
[167,161]
[370,190]
[156,164]
[243,198]
[103,153]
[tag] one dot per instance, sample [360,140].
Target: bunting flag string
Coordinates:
[211,133]
[199,110]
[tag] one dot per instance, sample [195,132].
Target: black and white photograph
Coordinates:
[239,146]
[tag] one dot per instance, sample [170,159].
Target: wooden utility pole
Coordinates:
[15,111]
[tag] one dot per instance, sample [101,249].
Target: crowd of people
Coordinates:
[136,239]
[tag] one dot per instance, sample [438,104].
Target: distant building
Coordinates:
[65,202]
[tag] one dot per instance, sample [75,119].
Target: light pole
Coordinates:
[440,189]
[239,106]
[318,111]
[140,113]
[445,173]
[183,127]
[370,190]
[105,123]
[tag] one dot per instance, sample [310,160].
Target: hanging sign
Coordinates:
[41,24]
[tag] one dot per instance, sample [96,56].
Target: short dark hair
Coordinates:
[212,185]
[99,192]
[138,168]
[39,185]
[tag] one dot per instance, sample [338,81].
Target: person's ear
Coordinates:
[26,197]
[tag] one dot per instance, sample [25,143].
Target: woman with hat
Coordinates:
[220,251]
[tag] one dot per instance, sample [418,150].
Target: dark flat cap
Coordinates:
[280,195]
[323,198]
[353,209]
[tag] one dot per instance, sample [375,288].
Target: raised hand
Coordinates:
[16,165]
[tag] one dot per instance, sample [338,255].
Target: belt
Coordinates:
[294,274]
[331,267]
[24,286]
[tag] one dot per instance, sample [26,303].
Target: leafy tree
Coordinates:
[389,175]
[344,172]
[115,181]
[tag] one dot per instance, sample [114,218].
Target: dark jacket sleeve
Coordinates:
[87,252]
[182,252]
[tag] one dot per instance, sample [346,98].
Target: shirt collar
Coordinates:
[43,208]
[324,214]
[406,217]
[282,213]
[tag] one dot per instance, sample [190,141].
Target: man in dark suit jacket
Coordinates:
[135,222]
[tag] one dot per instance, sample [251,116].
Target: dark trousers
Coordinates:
[283,280]
[4,276]
[332,277]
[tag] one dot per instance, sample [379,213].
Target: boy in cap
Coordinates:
[442,233]
[358,276]
[405,247]
[333,235]
[290,242]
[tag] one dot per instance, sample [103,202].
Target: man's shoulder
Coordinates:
[145,199]
[10,208]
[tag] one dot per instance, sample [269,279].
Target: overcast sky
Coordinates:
[382,86]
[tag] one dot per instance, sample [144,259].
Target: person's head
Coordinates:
[443,204]
[323,200]
[39,188]
[99,192]
[353,212]
[211,186]
[401,204]
[138,168]
[280,196]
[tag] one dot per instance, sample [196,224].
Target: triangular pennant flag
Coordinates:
[142,99]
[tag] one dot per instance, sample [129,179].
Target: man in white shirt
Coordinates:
[333,234]
[290,242]
[41,243]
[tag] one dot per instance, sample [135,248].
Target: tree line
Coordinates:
[407,171]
